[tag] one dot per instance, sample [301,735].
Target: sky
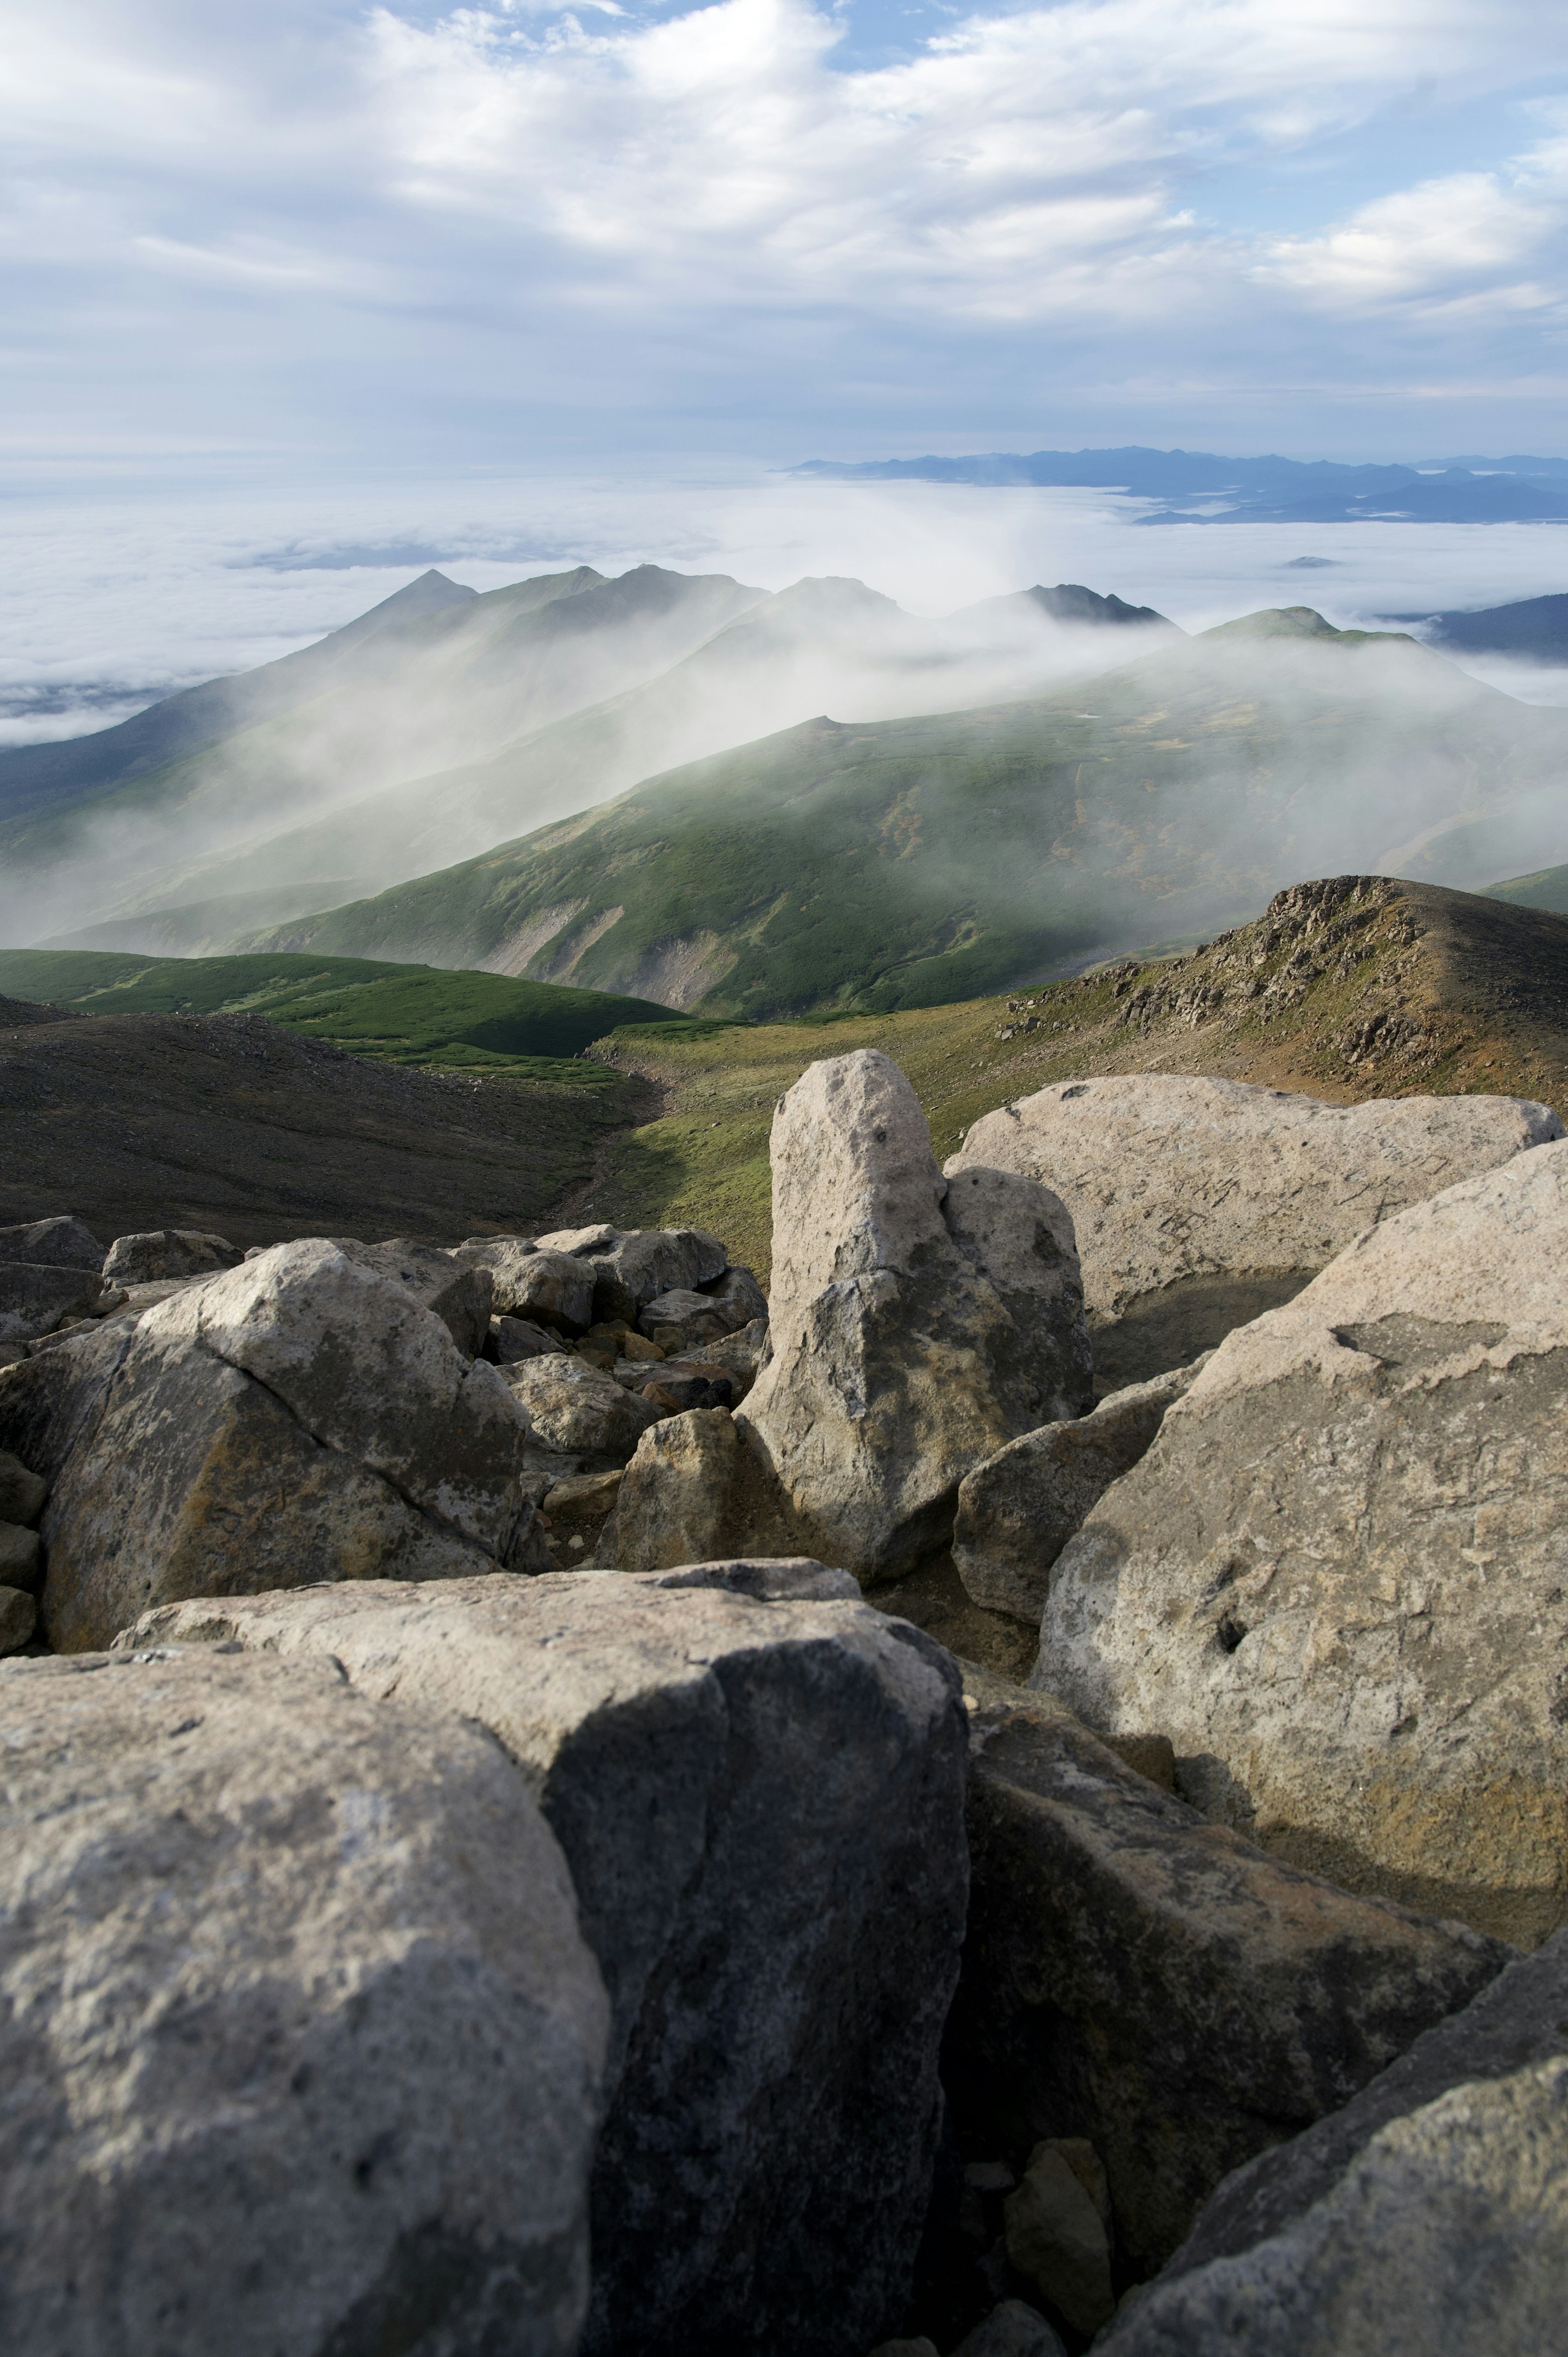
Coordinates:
[518,283]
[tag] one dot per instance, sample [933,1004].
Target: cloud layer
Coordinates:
[316,235]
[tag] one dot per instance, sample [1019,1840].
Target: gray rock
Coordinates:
[513,1339]
[1139,1977]
[33,1300]
[761,1803]
[578,1240]
[644,1262]
[738,1293]
[162,1252]
[681,1317]
[576,1508]
[913,1328]
[1058,2230]
[59,1243]
[22,1495]
[1018,1510]
[18,1616]
[740,1354]
[578,1409]
[547,1289]
[300,1419]
[54,1396]
[693,1491]
[1012,2330]
[1430,2214]
[460,1296]
[21,1557]
[1336,1580]
[289,2063]
[1168,1178]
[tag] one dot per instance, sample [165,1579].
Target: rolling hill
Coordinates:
[400,1015]
[909,862]
[1535,629]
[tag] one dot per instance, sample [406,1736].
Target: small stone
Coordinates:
[19,1617]
[512,1340]
[21,1557]
[22,1495]
[1056,2235]
[168,1252]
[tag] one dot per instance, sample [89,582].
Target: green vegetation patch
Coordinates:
[402,1014]
[1547,889]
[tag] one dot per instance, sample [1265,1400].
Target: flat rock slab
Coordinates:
[758,1785]
[1431,2213]
[289,2065]
[1137,1976]
[1169,1179]
[1336,1581]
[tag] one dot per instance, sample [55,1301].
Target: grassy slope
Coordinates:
[1464,997]
[404,1015]
[908,863]
[1547,889]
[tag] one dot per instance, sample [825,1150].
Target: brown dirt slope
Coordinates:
[1349,988]
[232,1124]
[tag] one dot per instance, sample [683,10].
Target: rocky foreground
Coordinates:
[483,1875]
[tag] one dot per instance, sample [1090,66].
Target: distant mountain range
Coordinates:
[1198,487]
[1535,629]
[921,860]
[444,722]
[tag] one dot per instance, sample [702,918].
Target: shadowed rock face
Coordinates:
[1337,1579]
[1431,2212]
[300,1419]
[757,1783]
[288,2064]
[916,1325]
[1138,1976]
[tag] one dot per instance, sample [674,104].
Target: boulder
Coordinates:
[58,1243]
[1336,1580]
[696,1491]
[915,1327]
[739,1354]
[576,1508]
[684,1382]
[162,1252]
[579,1410]
[758,1785]
[34,1299]
[289,2065]
[547,1289]
[21,1494]
[1012,2330]
[300,1419]
[460,1296]
[1018,1510]
[1430,2214]
[1058,2230]
[642,1263]
[1171,1180]
[512,1340]
[1139,1977]
[682,1316]
[738,1294]
[21,1558]
[599,1238]
[19,1617]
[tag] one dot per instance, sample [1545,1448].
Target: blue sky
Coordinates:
[316,242]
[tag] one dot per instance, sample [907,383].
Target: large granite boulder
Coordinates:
[683,1317]
[1337,1579]
[630,1266]
[757,1783]
[915,1326]
[60,1242]
[461,1297]
[1430,2214]
[157,1253]
[696,1491]
[1018,1510]
[289,2065]
[1137,1976]
[300,1419]
[1200,1204]
[34,1299]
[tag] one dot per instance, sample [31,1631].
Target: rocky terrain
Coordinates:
[503,1826]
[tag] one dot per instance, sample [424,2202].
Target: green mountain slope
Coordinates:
[913,862]
[392,703]
[821,645]
[401,1015]
[1547,889]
